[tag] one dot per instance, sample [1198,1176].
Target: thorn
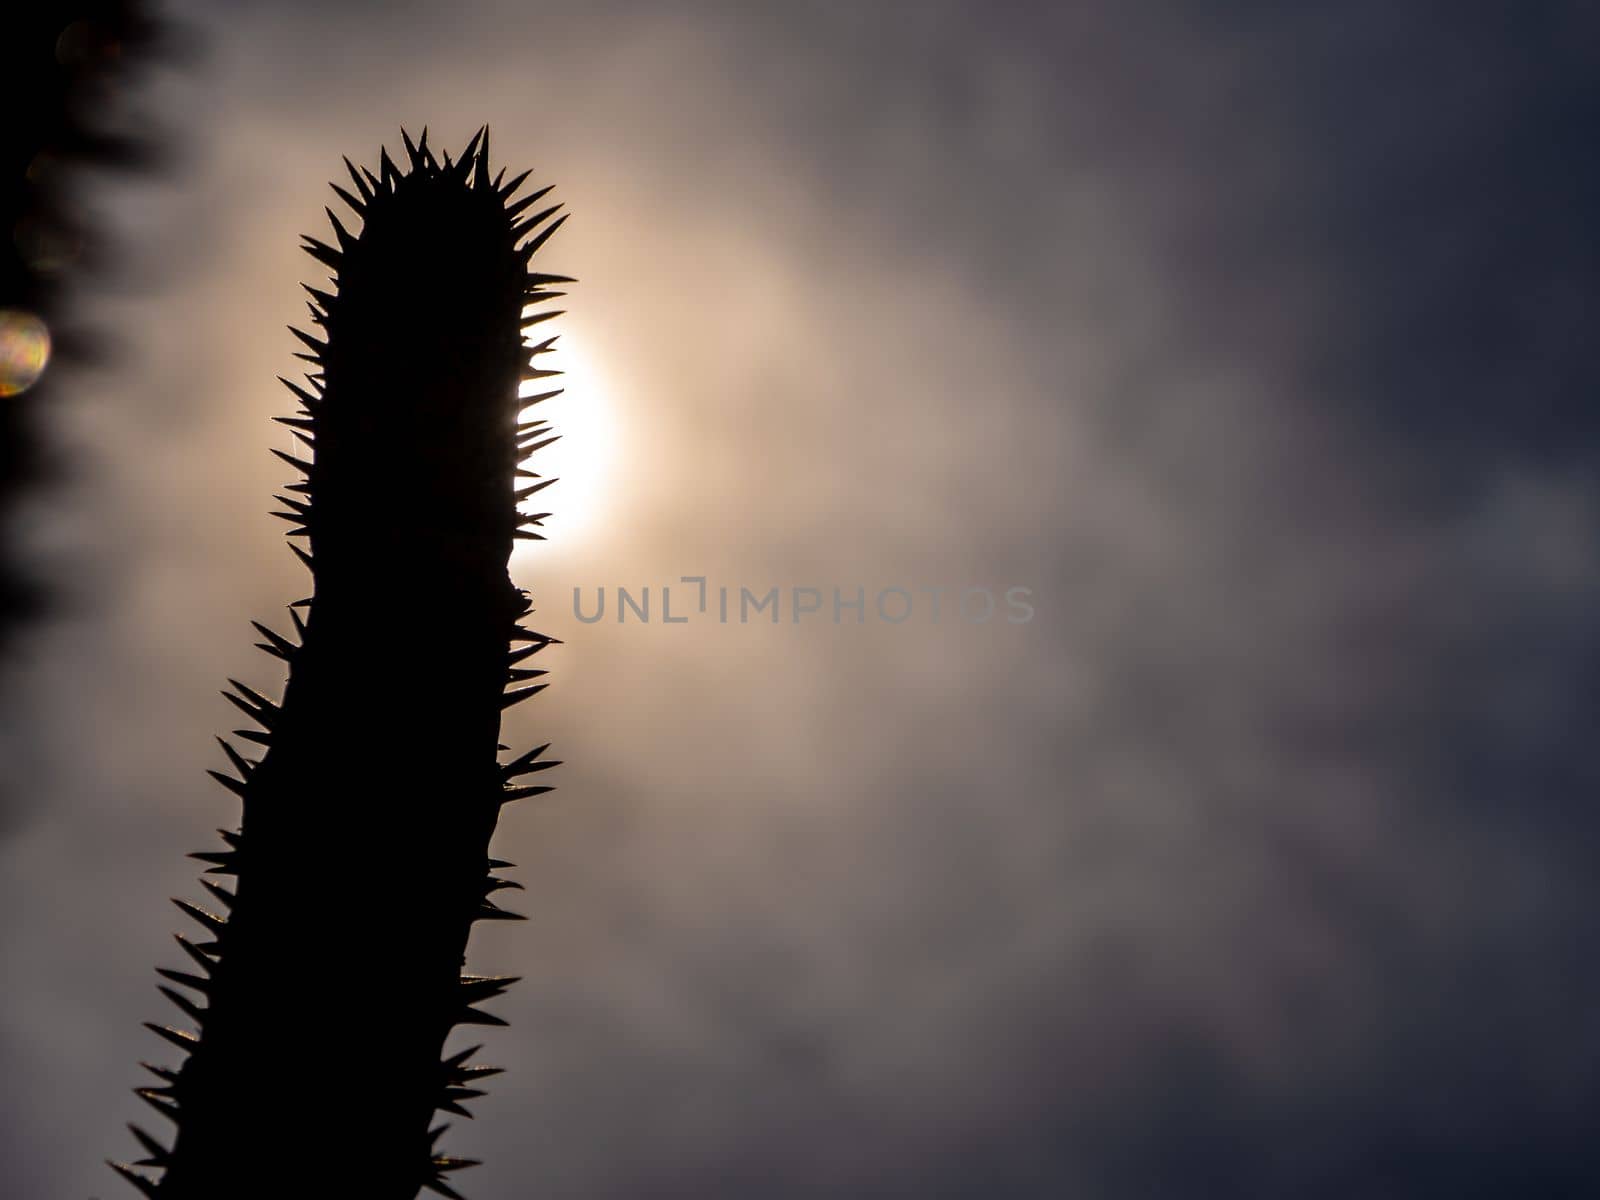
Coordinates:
[283,644]
[480,177]
[298,463]
[411,149]
[306,397]
[521,694]
[522,228]
[151,1147]
[152,1097]
[522,494]
[522,760]
[539,399]
[209,919]
[529,250]
[197,982]
[511,795]
[461,1056]
[236,786]
[249,693]
[540,318]
[515,210]
[463,165]
[466,1074]
[253,704]
[521,634]
[296,422]
[190,1009]
[220,892]
[346,242]
[526,766]
[180,1038]
[322,252]
[475,988]
[200,957]
[303,556]
[252,735]
[488,911]
[475,1016]
[240,763]
[316,346]
[145,1185]
[356,206]
[507,191]
[361,184]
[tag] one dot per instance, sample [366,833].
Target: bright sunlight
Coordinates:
[581,460]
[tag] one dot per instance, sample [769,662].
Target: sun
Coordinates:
[581,460]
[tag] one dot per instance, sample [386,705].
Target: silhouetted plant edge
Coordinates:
[353,409]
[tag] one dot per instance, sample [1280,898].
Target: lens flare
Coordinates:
[24,350]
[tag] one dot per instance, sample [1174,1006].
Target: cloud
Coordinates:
[1257,863]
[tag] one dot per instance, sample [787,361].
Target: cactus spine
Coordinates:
[324,991]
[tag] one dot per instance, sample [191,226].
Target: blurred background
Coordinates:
[1253,338]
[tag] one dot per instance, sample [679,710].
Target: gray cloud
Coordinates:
[1257,864]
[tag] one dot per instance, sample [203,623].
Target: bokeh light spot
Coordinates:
[24,350]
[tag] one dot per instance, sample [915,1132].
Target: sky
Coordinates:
[1249,339]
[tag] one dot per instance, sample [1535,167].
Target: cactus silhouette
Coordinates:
[324,995]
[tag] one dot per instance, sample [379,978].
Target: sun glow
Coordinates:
[581,416]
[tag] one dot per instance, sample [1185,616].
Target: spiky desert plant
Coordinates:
[324,996]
